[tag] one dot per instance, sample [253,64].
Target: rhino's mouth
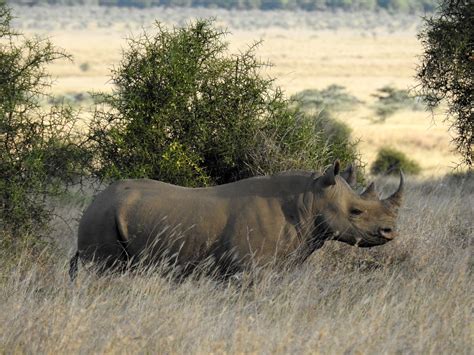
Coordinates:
[364,239]
[372,240]
[380,236]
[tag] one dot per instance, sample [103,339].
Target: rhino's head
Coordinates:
[357,219]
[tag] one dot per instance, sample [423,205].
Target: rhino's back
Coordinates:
[143,202]
[140,212]
[136,212]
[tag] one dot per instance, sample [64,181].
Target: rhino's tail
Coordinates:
[73,263]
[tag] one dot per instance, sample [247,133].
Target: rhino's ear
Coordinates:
[350,175]
[329,176]
[336,167]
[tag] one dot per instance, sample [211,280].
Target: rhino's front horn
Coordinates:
[396,198]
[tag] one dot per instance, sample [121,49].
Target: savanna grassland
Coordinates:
[412,295]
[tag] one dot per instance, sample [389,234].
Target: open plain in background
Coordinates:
[362,51]
[413,295]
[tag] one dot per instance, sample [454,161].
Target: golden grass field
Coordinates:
[303,57]
[410,296]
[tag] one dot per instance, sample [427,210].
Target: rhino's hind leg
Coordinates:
[106,257]
[101,265]
[73,263]
[102,244]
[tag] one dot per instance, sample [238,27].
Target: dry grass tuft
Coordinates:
[413,295]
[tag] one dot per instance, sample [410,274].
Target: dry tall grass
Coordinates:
[413,295]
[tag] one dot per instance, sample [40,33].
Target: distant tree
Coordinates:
[446,72]
[391,100]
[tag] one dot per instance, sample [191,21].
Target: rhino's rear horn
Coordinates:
[370,193]
[396,198]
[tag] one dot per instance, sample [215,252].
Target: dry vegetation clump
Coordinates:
[412,295]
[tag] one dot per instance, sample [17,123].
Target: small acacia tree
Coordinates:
[39,154]
[185,111]
[447,68]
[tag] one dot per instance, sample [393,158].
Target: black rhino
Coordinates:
[260,220]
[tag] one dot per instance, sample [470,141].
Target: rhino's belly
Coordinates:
[179,241]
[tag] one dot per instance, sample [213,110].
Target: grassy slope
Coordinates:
[413,295]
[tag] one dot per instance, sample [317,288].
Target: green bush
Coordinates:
[390,160]
[302,141]
[39,153]
[185,111]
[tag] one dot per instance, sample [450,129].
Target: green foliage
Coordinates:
[328,137]
[335,131]
[332,98]
[181,111]
[389,160]
[391,100]
[185,111]
[39,154]
[301,141]
[447,69]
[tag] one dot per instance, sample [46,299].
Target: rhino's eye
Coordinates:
[356,212]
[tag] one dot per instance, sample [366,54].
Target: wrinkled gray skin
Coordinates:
[259,220]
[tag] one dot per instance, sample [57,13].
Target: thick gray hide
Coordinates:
[263,219]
